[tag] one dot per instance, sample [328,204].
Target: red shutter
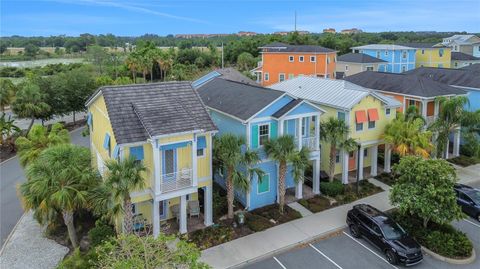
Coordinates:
[360,116]
[373,114]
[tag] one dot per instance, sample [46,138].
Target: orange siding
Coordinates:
[277,63]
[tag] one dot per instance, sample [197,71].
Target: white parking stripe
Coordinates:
[473,223]
[321,253]
[369,250]
[283,266]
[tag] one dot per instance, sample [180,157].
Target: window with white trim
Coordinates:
[267,77]
[313,59]
[404,68]
[328,60]
[369,68]
[359,127]
[263,134]
[291,59]
[365,152]
[404,54]
[371,124]
[346,67]
[301,59]
[281,77]
[386,53]
[337,157]
[387,111]
[378,54]
[201,152]
[423,51]
[264,184]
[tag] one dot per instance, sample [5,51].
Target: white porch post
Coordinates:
[299,133]
[436,109]
[316,176]
[360,163]
[344,156]
[208,217]
[281,123]
[299,190]
[156,165]
[194,160]
[183,214]
[387,157]
[317,132]
[156,217]
[374,153]
[447,146]
[456,142]
[424,108]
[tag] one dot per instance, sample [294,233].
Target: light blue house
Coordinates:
[259,114]
[399,58]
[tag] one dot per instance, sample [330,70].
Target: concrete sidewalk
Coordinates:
[276,239]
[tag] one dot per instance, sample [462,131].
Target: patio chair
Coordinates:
[139,222]
[176,211]
[194,208]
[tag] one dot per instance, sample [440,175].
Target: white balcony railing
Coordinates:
[176,181]
[309,142]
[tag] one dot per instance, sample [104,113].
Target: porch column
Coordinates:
[299,133]
[387,158]
[447,147]
[207,203]
[280,126]
[436,109]
[316,176]
[183,214]
[299,190]
[424,108]
[156,217]
[456,142]
[156,165]
[344,156]
[360,163]
[317,132]
[194,160]
[374,154]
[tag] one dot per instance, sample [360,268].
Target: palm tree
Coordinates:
[335,132]
[59,180]
[231,158]
[123,177]
[7,130]
[283,150]
[29,103]
[39,139]
[7,92]
[133,64]
[412,114]
[408,137]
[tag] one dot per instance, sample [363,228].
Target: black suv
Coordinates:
[468,199]
[384,233]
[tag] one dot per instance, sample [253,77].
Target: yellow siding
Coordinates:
[325,150]
[203,163]
[172,139]
[431,57]
[147,161]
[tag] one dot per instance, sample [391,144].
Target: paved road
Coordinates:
[24,123]
[345,252]
[11,175]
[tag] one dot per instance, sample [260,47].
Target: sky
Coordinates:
[163,17]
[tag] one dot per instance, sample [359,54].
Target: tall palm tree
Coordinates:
[123,177]
[7,93]
[230,157]
[412,114]
[29,103]
[39,139]
[408,137]
[133,63]
[59,180]
[450,117]
[283,150]
[7,130]
[335,132]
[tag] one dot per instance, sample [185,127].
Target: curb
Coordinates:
[11,233]
[450,260]
[285,248]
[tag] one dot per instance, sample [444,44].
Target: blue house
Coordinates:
[259,114]
[399,58]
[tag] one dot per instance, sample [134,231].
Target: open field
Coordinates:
[43,62]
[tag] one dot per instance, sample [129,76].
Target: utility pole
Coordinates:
[222,56]
[295,20]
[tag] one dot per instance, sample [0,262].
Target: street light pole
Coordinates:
[358,166]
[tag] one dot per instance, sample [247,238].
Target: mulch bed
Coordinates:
[386,178]
[464,161]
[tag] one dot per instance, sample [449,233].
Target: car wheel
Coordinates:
[478,217]
[391,257]
[354,231]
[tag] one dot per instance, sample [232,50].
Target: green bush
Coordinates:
[258,223]
[464,160]
[79,260]
[100,233]
[332,189]
[454,244]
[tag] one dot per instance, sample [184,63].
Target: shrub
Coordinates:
[258,223]
[332,189]
[211,236]
[316,204]
[100,233]
[386,178]
[464,160]
[454,244]
[78,260]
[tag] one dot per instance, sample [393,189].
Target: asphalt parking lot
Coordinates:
[343,252]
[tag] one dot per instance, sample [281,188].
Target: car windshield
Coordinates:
[475,196]
[392,231]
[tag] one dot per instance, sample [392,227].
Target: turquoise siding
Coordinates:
[303,109]
[394,59]
[274,107]
[227,124]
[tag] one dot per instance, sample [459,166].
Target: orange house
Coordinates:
[281,62]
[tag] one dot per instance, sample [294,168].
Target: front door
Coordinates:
[352,161]
[162,209]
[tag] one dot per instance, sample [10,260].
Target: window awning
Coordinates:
[201,142]
[360,116]
[373,114]
[137,152]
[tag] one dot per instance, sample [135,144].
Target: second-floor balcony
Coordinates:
[176,181]
[312,143]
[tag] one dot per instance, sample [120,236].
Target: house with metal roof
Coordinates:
[353,63]
[282,61]
[469,44]
[259,114]
[167,127]
[399,58]
[460,59]
[431,54]
[365,111]
[224,73]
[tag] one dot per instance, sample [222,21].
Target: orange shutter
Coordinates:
[373,114]
[360,116]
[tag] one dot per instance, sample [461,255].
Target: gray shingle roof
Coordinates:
[473,67]
[282,47]
[224,73]
[402,84]
[285,109]
[237,99]
[456,77]
[140,111]
[359,58]
[460,56]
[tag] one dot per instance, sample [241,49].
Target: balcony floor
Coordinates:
[171,226]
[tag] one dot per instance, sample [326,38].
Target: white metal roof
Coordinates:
[336,93]
[384,47]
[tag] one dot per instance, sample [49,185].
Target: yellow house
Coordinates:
[365,111]
[165,126]
[431,55]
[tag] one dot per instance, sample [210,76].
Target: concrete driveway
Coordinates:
[344,252]
[11,175]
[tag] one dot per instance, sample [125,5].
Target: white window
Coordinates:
[404,68]
[313,59]
[200,152]
[378,54]
[328,60]
[263,134]
[291,59]
[281,77]
[423,51]
[359,127]
[267,77]
[301,59]
[404,54]
[387,111]
[346,67]
[386,53]
[369,68]
[304,126]
[371,124]
[337,157]
[456,64]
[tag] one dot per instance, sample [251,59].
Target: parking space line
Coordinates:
[473,223]
[326,257]
[283,266]
[360,243]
